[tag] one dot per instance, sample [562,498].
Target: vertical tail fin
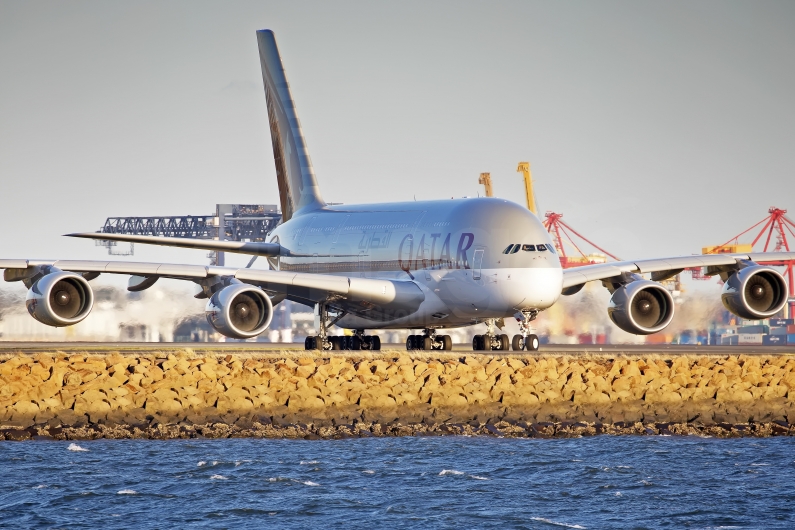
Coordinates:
[298,187]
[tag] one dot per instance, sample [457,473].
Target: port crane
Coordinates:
[776,223]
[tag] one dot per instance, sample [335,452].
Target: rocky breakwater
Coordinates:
[183,394]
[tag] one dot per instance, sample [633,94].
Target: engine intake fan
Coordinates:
[239,311]
[641,307]
[60,299]
[755,292]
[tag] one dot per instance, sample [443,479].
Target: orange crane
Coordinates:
[776,223]
[524,169]
[485,179]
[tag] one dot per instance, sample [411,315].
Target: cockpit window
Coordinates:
[516,248]
[541,248]
[508,249]
[528,248]
[552,249]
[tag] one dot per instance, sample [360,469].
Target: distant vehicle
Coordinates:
[416,265]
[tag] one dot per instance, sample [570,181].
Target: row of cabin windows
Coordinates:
[514,248]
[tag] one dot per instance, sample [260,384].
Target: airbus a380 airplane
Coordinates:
[415,265]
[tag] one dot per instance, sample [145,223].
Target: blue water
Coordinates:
[439,482]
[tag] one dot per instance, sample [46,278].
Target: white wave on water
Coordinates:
[556,523]
[309,462]
[478,478]
[760,464]
[126,492]
[215,462]
[218,477]
[310,483]
[75,447]
[618,494]
[201,463]
[369,471]
[40,486]
[450,472]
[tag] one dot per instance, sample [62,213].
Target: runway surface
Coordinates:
[251,347]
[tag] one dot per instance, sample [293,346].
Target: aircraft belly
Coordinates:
[455,298]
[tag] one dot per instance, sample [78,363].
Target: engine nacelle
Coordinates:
[60,299]
[239,311]
[641,307]
[755,292]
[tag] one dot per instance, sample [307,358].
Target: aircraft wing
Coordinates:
[240,247]
[358,295]
[588,273]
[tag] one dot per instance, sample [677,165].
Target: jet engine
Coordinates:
[239,311]
[641,307]
[755,292]
[60,299]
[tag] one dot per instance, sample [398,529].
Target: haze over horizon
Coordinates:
[655,128]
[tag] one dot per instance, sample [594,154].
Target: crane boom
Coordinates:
[524,168]
[485,179]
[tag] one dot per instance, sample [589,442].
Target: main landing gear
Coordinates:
[525,341]
[358,341]
[429,340]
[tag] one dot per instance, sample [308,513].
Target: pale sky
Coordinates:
[655,128]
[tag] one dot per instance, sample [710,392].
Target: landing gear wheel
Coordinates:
[517,344]
[486,342]
[505,342]
[427,343]
[310,343]
[479,342]
[335,343]
[356,343]
[375,342]
[531,343]
[447,342]
[410,342]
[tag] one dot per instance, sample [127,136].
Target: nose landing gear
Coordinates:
[525,340]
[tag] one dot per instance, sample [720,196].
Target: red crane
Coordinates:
[555,226]
[776,223]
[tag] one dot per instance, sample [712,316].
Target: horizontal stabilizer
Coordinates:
[239,247]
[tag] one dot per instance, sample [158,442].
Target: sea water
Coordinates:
[410,482]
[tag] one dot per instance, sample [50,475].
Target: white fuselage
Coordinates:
[453,251]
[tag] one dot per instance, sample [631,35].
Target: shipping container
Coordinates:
[779,331]
[774,340]
[750,338]
[791,339]
[790,329]
[781,322]
[748,330]
[729,340]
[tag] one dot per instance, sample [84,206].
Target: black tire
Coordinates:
[505,342]
[447,341]
[517,344]
[532,343]
[375,342]
[410,342]
[307,343]
[476,343]
[311,343]
[356,343]
[335,343]
[427,343]
[486,342]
